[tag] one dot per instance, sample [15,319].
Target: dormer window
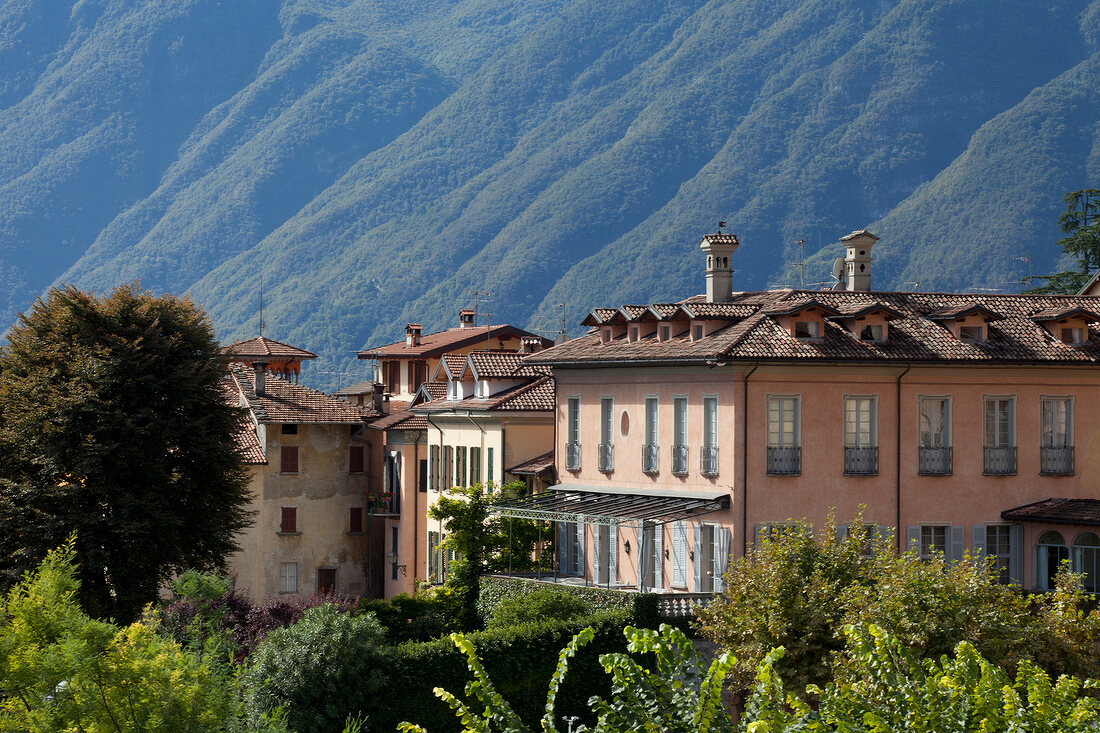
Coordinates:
[1073,336]
[633,333]
[972,334]
[807,329]
[697,332]
[665,333]
[605,335]
[870,332]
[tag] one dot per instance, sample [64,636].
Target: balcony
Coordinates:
[572,456]
[383,504]
[650,458]
[679,459]
[934,461]
[860,461]
[1056,461]
[999,461]
[606,461]
[708,460]
[785,461]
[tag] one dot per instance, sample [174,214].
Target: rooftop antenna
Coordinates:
[478,294]
[564,320]
[914,283]
[488,331]
[801,264]
[261,301]
[1027,259]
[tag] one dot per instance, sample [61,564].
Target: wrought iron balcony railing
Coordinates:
[1056,461]
[784,461]
[650,458]
[679,459]
[606,457]
[860,461]
[934,461]
[999,461]
[572,456]
[709,460]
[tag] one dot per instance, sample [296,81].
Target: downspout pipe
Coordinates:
[897,464]
[745,460]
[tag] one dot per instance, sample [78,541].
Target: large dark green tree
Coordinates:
[1080,222]
[113,425]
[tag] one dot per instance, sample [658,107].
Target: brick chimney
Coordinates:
[718,248]
[530,344]
[857,259]
[260,379]
[376,396]
[466,318]
[412,334]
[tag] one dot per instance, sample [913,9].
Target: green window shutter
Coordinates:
[475,465]
[489,471]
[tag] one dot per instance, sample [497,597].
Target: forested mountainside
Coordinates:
[375,161]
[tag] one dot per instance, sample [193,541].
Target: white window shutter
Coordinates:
[761,529]
[977,541]
[613,555]
[884,532]
[563,548]
[595,553]
[679,554]
[1016,553]
[912,538]
[698,558]
[722,537]
[841,531]
[642,555]
[958,542]
[658,555]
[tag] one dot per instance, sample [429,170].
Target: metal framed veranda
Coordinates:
[598,505]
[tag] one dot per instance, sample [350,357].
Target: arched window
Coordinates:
[1051,550]
[1086,559]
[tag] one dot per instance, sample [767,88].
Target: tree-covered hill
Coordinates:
[376,160]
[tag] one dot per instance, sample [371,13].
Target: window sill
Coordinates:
[349,532]
[684,473]
[287,534]
[934,473]
[781,474]
[288,473]
[998,473]
[859,474]
[1057,473]
[651,471]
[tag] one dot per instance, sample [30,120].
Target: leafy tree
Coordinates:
[113,424]
[1080,222]
[483,543]
[63,670]
[322,671]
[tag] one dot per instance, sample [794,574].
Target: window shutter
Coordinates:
[613,555]
[355,519]
[433,566]
[658,555]
[288,459]
[912,538]
[977,541]
[595,554]
[721,557]
[1016,553]
[563,553]
[761,531]
[679,554]
[841,531]
[489,467]
[289,519]
[698,558]
[355,459]
[958,543]
[884,532]
[643,561]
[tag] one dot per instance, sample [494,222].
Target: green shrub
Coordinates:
[420,617]
[322,670]
[548,604]
[642,607]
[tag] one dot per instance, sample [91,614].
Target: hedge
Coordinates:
[642,607]
[519,660]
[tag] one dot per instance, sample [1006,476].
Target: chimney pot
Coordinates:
[412,334]
[260,378]
[466,318]
[376,395]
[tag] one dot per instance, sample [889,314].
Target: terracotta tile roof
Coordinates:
[721,238]
[1057,511]
[704,311]
[401,420]
[531,370]
[494,364]
[536,465]
[263,346]
[915,335]
[248,443]
[598,316]
[357,389]
[456,364]
[286,402]
[440,342]
[437,390]
[535,395]
[1056,314]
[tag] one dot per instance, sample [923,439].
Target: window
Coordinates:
[355,519]
[422,475]
[395,558]
[289,429]
[1056,436]
[607,447]
[697,332]
[712,552]
[871,332]
[1073,336]
[933,539]
[935,436]
[666,333]
[972,334]
[650,554]
[999,435]
[326,581]
[997,545]
[419,371]
[605,552]
[1050,552]
[288,459]
[605,335]
[391,375]
[573,439]
[571,548]
[633,333]
[927,539]
[435,558]
[288,577]
[650,460]
[1086,560]
[288,520]
[860,439]
[710,437]
[475,466]
[448,465]
[489,465]
[355,459]
[679,435]
[784,443]
[679,554]
[433,469]
[807,329]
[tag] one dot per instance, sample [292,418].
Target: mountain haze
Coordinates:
[376,161]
